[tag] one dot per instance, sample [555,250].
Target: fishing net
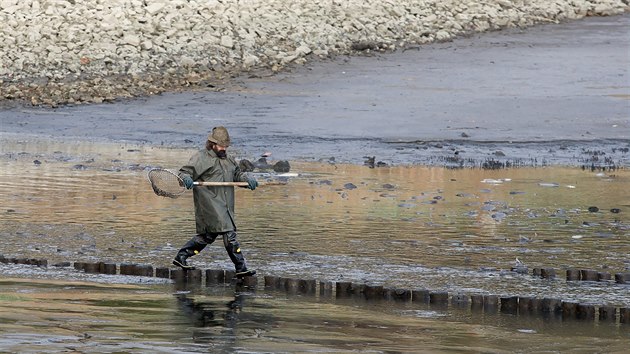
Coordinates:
[166,183]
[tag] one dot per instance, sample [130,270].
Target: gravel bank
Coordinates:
[67,51]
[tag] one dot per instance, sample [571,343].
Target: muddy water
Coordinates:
[457,230]
[73,316]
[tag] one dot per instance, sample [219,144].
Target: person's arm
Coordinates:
[188,172]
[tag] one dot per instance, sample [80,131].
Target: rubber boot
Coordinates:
[191,248]
[180,261]
[233,249]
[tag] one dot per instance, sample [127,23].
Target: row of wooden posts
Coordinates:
[521,305]
[584,275]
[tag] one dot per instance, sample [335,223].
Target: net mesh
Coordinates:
[166,183]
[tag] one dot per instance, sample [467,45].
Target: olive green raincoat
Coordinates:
[214,206]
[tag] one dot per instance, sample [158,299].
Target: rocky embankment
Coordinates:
[67,51]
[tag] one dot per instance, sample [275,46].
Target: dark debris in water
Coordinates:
[370,161]
[349,186]
[457,154]
[607,166]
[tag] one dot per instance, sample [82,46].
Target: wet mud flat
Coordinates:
[549,95]
[409,226]
[454,231]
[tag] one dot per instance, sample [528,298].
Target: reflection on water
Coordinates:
[61,316]
[413,227]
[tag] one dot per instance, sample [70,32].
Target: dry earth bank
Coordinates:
[67,51]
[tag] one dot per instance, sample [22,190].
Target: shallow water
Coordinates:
[75,316]
[412,227]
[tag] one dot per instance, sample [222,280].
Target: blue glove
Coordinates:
[252,183]
[188,182]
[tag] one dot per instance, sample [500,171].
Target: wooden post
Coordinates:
[551,306]
[193,276]
[401,295]
[603,276]
[271,282]
[569,310]
[90,267]
[162,273]
[127,269]
[373,292]
[326,288]
[460,300]
[420,296]
[107,268]
[524,305]
[282,284]
[144,270]
[573,274]
[178,275]
[343,289]
[357,289]
[476,302]
[215,276]
[548,273]
[624,315]
[588,275]
[585,312]
[608,313]
[509,304]
[307,286]
[438,298]
[490,303]
[250,282]
[293,285]
[79,265]
[535,305]
[622,278]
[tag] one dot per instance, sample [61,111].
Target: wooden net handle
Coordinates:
[236,184]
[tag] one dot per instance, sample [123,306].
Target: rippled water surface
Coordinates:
[413,227]
[74,316]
